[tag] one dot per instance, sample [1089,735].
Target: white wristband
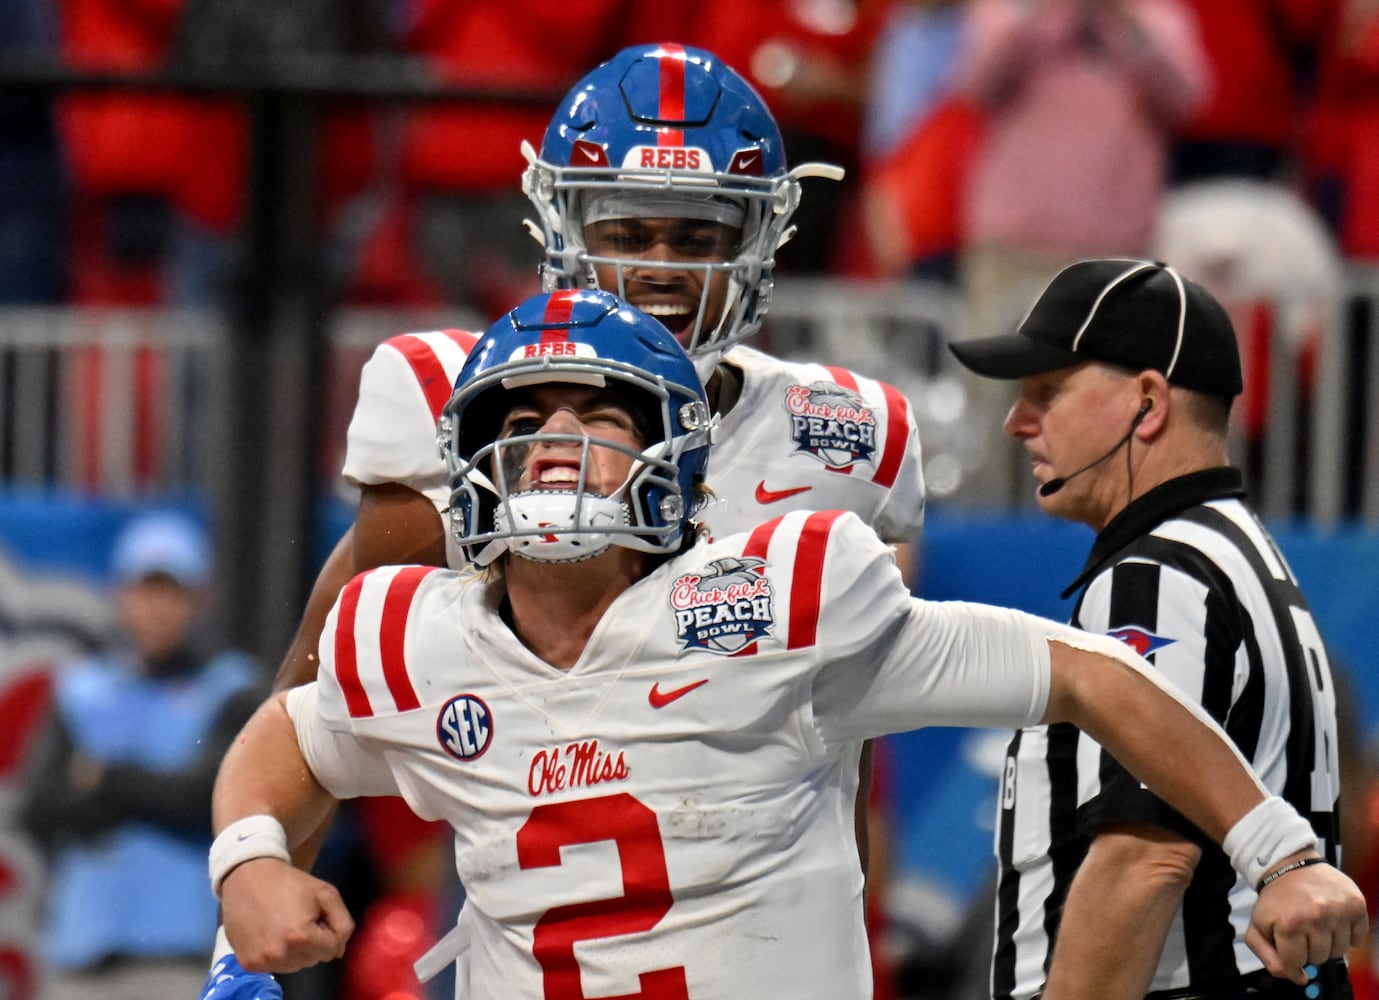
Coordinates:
[260,836]
[1265,835]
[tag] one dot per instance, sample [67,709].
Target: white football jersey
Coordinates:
[671,817]
[814,437]
[402,389]
[801,437]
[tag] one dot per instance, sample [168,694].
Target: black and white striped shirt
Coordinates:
[1188,577]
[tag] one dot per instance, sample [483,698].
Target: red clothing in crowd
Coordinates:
[528,46]
[121,142]
[1250,44]
[917,190]
[1342,141]
[1076,133]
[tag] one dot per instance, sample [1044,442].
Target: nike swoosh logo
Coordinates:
[660,699]
[765,496]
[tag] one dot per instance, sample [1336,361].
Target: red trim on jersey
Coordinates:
[807,587]
[843,377]
[846,379]
[897,428]
[347,654]
[897,433]
[430,372]
[672,99]
[392,634]
[757,544]
[760,538]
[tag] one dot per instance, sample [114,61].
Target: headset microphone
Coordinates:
[1058,482]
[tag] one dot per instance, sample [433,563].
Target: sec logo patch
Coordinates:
[464,727]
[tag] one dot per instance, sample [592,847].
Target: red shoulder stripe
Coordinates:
[897,433]
[430,373]
[392,634]
[757,544]
[760,538]
[843,377]
[806,589]
[846,379]
[346,654]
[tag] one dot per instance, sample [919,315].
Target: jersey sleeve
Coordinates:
[901,516]
[402,389]
[342,764]
[890,662]
[1165,615]
[365,682]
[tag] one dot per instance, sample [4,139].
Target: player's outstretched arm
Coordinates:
[1305,916]
[1119,910]
[277,917]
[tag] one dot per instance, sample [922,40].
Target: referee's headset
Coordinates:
[1058,482]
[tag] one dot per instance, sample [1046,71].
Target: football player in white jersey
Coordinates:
[647,745]
[663,177]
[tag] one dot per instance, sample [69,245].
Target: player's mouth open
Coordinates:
[674,316]
[555,477]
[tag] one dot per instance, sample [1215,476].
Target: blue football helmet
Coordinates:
[668,131]
[588,338]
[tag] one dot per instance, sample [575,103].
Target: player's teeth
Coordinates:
[559,474]
[663,310]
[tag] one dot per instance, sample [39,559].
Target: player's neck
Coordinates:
[556,606]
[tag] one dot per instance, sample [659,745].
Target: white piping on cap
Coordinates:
[1131,272]
[1091,314]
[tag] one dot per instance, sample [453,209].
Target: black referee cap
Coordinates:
[1138,314]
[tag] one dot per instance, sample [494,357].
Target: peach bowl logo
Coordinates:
[724,609]
[830,423]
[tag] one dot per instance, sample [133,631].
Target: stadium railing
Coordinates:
[130,402]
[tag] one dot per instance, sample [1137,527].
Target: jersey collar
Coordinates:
[1155,507]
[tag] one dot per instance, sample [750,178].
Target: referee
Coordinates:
[1127,374]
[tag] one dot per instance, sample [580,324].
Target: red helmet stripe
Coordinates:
[559,308]
[672,100]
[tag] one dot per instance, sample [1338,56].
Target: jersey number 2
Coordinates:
[646,890]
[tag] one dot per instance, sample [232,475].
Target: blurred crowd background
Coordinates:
[212,210]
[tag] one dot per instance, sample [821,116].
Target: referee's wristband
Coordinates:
[1264,836]
[260,836]
[1291,866]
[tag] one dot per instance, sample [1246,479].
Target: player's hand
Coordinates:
[228,981]
[281,919]
[1306,917]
